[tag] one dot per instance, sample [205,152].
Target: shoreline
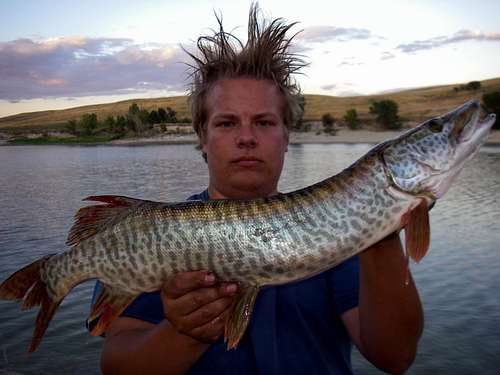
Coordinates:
[344,136]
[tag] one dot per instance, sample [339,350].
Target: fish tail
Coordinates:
[27,285]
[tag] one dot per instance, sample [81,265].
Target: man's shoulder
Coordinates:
[203,196]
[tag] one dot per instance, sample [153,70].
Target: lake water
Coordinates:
[41,188]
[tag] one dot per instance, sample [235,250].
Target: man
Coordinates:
[243,105]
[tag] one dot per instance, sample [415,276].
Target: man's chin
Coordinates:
[247,188]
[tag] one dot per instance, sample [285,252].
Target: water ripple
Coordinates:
[42,187]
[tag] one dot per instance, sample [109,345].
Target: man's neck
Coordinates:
[213,193]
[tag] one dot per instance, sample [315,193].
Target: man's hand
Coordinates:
[196,305]
[195,308]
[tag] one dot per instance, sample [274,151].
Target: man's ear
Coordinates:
[203,141]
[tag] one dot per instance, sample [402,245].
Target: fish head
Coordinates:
[425,160]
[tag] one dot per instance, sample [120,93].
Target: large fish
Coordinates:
[133,246]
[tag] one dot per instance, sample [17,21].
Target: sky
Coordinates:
[61,54]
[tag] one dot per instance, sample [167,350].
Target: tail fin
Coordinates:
[27,285]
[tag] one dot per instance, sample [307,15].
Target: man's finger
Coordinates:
[185,282]
[210,331]
[198,298]
[207,313]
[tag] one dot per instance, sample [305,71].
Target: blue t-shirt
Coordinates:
[295,328]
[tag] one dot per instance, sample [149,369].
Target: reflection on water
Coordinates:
[42,187]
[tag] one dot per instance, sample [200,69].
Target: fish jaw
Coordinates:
[468,147]
[427,159]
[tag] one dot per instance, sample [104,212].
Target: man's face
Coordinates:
[245,140]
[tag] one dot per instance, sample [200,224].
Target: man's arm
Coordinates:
[388,321]
[195,309]
[133,346]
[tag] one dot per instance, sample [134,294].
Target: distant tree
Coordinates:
[171,115]
[491,102]
[137,119]
[473,85]
[162,114]
[109,124]
[71,126]
[154,117]
[130,124]
[133,109]
[144,120]
[351,119]
[120,125]
[299,124]
[88,123]
[386,112]
[328,123]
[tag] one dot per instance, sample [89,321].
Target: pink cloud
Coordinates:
[80,66]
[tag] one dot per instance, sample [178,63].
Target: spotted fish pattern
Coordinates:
[259,242]
[133,246]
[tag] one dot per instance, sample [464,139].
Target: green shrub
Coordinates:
[154,117]
[299,124]
[109,124]
[328,123]
[471,86]
[88,123]
[386,112]
[351,119]
[71,126]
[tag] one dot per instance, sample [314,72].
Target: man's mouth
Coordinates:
[246,161]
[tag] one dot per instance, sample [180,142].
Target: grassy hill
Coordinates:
[415,106]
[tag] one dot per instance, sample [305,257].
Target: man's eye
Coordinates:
[225,124]
[264,123]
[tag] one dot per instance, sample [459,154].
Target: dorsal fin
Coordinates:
[94,219]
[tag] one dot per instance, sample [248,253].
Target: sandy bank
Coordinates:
[342,136]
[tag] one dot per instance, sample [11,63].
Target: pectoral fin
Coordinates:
[417,231]
[239,316]
[107,307]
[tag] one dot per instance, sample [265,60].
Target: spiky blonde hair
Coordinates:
[264,56]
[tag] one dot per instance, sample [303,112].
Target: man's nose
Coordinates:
[246,137]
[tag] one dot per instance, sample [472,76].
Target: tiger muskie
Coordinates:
[133,246]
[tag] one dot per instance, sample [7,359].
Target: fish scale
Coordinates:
[133,246]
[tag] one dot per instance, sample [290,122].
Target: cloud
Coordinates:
[329,87]
[387,55]
[297,48]
[341,89]
[81,66]
[350,61]
[349,93]
[460,36]
[321,34]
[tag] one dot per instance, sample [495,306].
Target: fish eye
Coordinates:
[436,126]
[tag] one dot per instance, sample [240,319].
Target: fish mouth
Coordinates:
[471,123]
[471,133]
